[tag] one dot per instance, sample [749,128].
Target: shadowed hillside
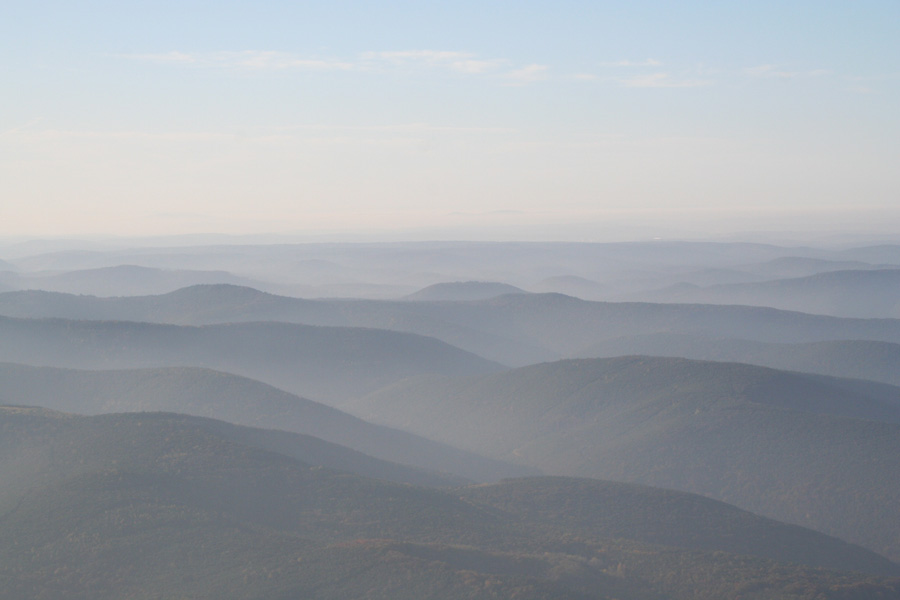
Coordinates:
[761,439]
[156,505]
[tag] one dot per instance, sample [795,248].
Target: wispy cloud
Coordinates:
[478,66]
[461,62]
[246,59]
[662,80]
[617,64]
[21,128]
[649,62]
[465,63]
[776,72]
[427,56]
[528,74]
[173,57]
[401,133]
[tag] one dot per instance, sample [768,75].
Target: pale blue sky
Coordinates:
[240,117]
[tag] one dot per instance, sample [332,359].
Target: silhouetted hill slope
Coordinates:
[515,329]
[859,359]
[244,401]
[857,293]
[724,430]
[157,505]
[464,291]
[329,364]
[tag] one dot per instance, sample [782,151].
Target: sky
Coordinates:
[488,119]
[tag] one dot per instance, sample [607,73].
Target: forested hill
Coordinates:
[779,444]
[139,505]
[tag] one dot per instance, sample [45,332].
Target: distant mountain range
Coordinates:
[138,505]
[856,293]
[594,271]
[812,450]
[156,439]
[799,266]
[515,329]
[328,364]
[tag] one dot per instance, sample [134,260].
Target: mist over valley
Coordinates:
[480,427]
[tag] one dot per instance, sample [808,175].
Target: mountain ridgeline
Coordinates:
[243,401]
[694,421]
[328,364]
[513,329]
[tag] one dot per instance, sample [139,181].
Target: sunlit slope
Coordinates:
[758,438]
[328,364]
[207,393]
[161,505]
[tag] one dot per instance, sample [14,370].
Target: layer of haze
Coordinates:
[495,120]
